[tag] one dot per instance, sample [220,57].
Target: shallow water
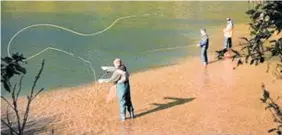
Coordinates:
[170,24]
[216,100]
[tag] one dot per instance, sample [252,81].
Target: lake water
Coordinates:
[167,25]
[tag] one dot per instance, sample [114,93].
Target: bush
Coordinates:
[11,66]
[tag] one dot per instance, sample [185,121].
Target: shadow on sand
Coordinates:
[214,61]
[177,101]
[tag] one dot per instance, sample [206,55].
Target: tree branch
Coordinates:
[15,104]
[9,104]
[20,88]
[8,120]
[38,93]
[30,98]
[37,78]
[8,126]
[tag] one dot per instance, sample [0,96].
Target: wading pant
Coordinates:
[123,92]
[227,42]
[204,55]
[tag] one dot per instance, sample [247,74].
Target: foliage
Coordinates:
[275,110]
[266,22]
[11,66]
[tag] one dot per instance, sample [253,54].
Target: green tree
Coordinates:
[263,45]
[274,109]
[266,22]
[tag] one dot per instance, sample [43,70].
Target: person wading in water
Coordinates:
[228,32]
[204,44]
[120,78]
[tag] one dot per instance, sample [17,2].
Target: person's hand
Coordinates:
[198,45]
[101,81]
[104,68]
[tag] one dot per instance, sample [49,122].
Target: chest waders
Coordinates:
[123,93]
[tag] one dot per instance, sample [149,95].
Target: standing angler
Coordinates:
[228,31]
[120,77]
[204,44]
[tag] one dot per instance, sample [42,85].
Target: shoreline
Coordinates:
[184,98]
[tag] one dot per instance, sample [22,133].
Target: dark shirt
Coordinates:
[204,41]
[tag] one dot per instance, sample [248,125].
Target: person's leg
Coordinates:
[204,55]
[230,42]
[121,92]
[229,48]
[128,101]
[225,43]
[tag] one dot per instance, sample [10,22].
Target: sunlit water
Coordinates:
[170,24]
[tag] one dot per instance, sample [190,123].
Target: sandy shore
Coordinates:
[180,99]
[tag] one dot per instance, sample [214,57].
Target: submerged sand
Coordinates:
[180,99]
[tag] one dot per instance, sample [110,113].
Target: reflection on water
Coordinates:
[208,77]
[229,78]
[204,78]
[126,127]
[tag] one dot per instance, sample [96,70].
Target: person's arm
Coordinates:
[115,77]
[109,68]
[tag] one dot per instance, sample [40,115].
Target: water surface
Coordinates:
[170,24]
